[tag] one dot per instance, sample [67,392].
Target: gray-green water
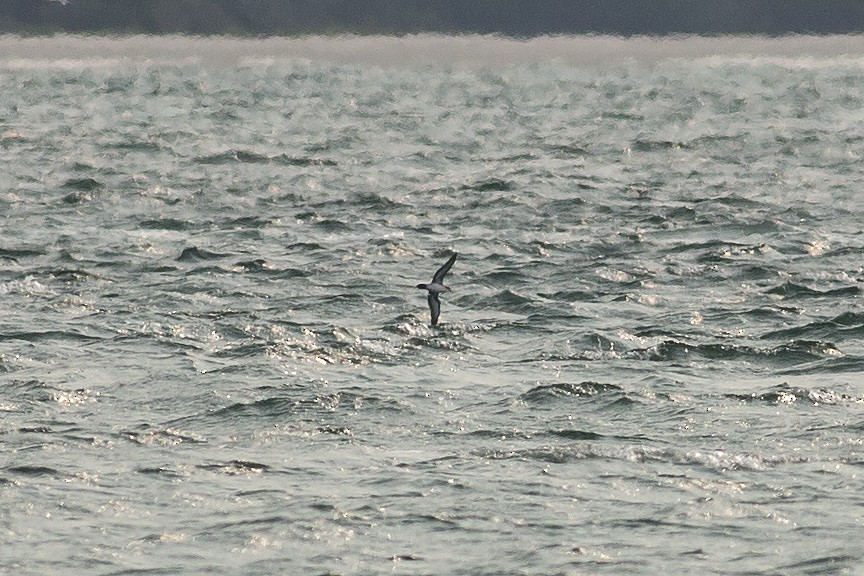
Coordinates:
[213,359]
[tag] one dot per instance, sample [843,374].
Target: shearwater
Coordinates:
[436,287]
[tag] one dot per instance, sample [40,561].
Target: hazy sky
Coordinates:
[423,49]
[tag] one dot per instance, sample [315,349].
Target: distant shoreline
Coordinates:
[424,49]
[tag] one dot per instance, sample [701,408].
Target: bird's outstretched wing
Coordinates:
[438,278]
[434,307]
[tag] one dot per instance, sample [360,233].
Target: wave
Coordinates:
[795,352]
[785,394]
[601,449]
[791,290]
[16,254]
[249,157]
[35,471]
[28,285]
[195,254]
[74,276]
[174,224]
[305,409]
[149,436]
[846,325]
[546,393]
[146,146]
[842,365]
[571,295]
[82,184]
[235,467]
[505,300]
[489,185]
[48,336]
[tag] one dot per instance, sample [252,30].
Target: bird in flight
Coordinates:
[436,287]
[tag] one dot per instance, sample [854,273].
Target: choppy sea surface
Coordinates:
[213,358]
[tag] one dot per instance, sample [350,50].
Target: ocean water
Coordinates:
[213,359]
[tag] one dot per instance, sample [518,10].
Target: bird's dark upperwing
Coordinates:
[434,307]
[438,278]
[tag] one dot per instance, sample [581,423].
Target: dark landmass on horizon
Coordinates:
[517,18]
